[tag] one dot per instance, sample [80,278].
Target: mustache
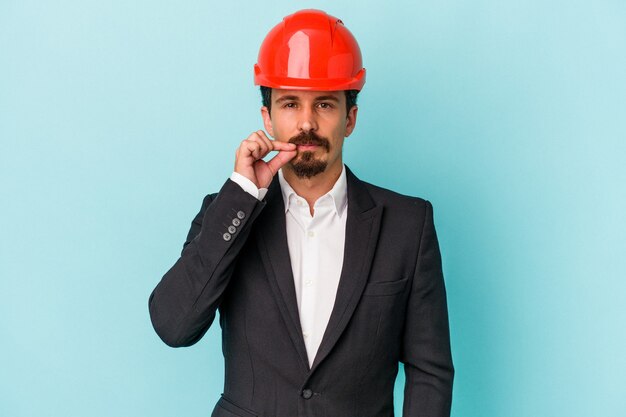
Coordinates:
[310,138]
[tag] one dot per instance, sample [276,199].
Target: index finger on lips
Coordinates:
[274,145]
[283,146]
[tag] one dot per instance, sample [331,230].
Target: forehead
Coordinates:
[304,95]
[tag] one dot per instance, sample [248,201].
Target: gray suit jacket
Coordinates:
[390,308]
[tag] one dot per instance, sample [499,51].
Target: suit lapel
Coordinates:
[271,237]
[362,227]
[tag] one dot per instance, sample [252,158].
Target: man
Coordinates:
[324,283]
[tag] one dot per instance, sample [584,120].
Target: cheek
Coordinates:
[283,129]
[280,135]
[339,134]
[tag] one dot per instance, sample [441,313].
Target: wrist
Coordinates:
[248,185]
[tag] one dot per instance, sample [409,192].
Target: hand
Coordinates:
[249,158]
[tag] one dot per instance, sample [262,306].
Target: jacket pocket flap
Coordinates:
[385,288]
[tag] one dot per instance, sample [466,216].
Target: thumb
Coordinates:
[280,159]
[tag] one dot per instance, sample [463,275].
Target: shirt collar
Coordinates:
[338,194]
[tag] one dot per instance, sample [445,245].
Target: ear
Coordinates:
[351,120]
[267,121]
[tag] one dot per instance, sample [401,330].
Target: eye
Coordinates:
[325,105]
[290,105]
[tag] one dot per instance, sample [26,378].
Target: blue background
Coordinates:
[117,117]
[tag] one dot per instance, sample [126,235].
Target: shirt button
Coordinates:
[232,229]
[305,334]
[311,233]
[226,236]
[236,222]
[307,393]
[241,215]
[308,283]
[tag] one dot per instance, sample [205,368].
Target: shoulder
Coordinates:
[384,194]
[396,201]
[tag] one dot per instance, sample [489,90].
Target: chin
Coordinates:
[307,166]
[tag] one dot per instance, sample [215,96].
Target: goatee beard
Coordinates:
[305,165]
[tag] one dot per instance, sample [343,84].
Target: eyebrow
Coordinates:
[333,98]
[296,98]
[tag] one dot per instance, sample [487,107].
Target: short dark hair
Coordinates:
[266,96]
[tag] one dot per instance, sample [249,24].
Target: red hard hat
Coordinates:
[310,50]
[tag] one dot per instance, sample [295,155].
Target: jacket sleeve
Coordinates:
[183,304]
[426,351]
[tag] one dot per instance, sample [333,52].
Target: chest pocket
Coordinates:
[385,288]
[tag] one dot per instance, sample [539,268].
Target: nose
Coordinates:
[307,120]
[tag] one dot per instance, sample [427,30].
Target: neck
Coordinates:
[313,188]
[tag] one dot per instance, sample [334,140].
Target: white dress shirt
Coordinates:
[316,246]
